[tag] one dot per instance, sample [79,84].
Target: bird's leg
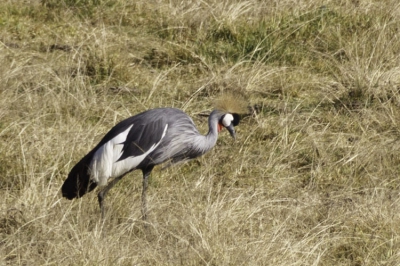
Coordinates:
[144,199]
[146,174]
[102,194]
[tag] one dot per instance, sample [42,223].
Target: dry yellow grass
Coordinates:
[313,178]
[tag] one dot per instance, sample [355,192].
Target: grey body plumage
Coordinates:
[141,142]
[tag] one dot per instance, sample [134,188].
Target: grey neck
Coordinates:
[207,142]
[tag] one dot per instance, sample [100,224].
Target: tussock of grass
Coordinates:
[311,180]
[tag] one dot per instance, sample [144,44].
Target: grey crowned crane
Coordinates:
[142,142]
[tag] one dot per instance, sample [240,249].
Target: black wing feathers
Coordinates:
[116,130]
[142,137]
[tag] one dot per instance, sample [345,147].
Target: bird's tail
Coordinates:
[78,182]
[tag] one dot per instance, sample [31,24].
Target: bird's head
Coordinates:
[230,105]
[229,121]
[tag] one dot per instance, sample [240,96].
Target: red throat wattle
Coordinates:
[219,127]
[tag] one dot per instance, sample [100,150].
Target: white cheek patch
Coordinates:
[227,120]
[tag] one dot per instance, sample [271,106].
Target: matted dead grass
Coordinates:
[312,179]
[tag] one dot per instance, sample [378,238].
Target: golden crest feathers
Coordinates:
[232,103]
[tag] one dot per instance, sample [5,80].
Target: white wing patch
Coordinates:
[105,164]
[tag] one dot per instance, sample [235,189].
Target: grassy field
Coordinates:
[312,179]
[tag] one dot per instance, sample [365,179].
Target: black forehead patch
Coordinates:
[236,119]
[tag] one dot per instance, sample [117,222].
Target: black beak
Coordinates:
[231,130]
